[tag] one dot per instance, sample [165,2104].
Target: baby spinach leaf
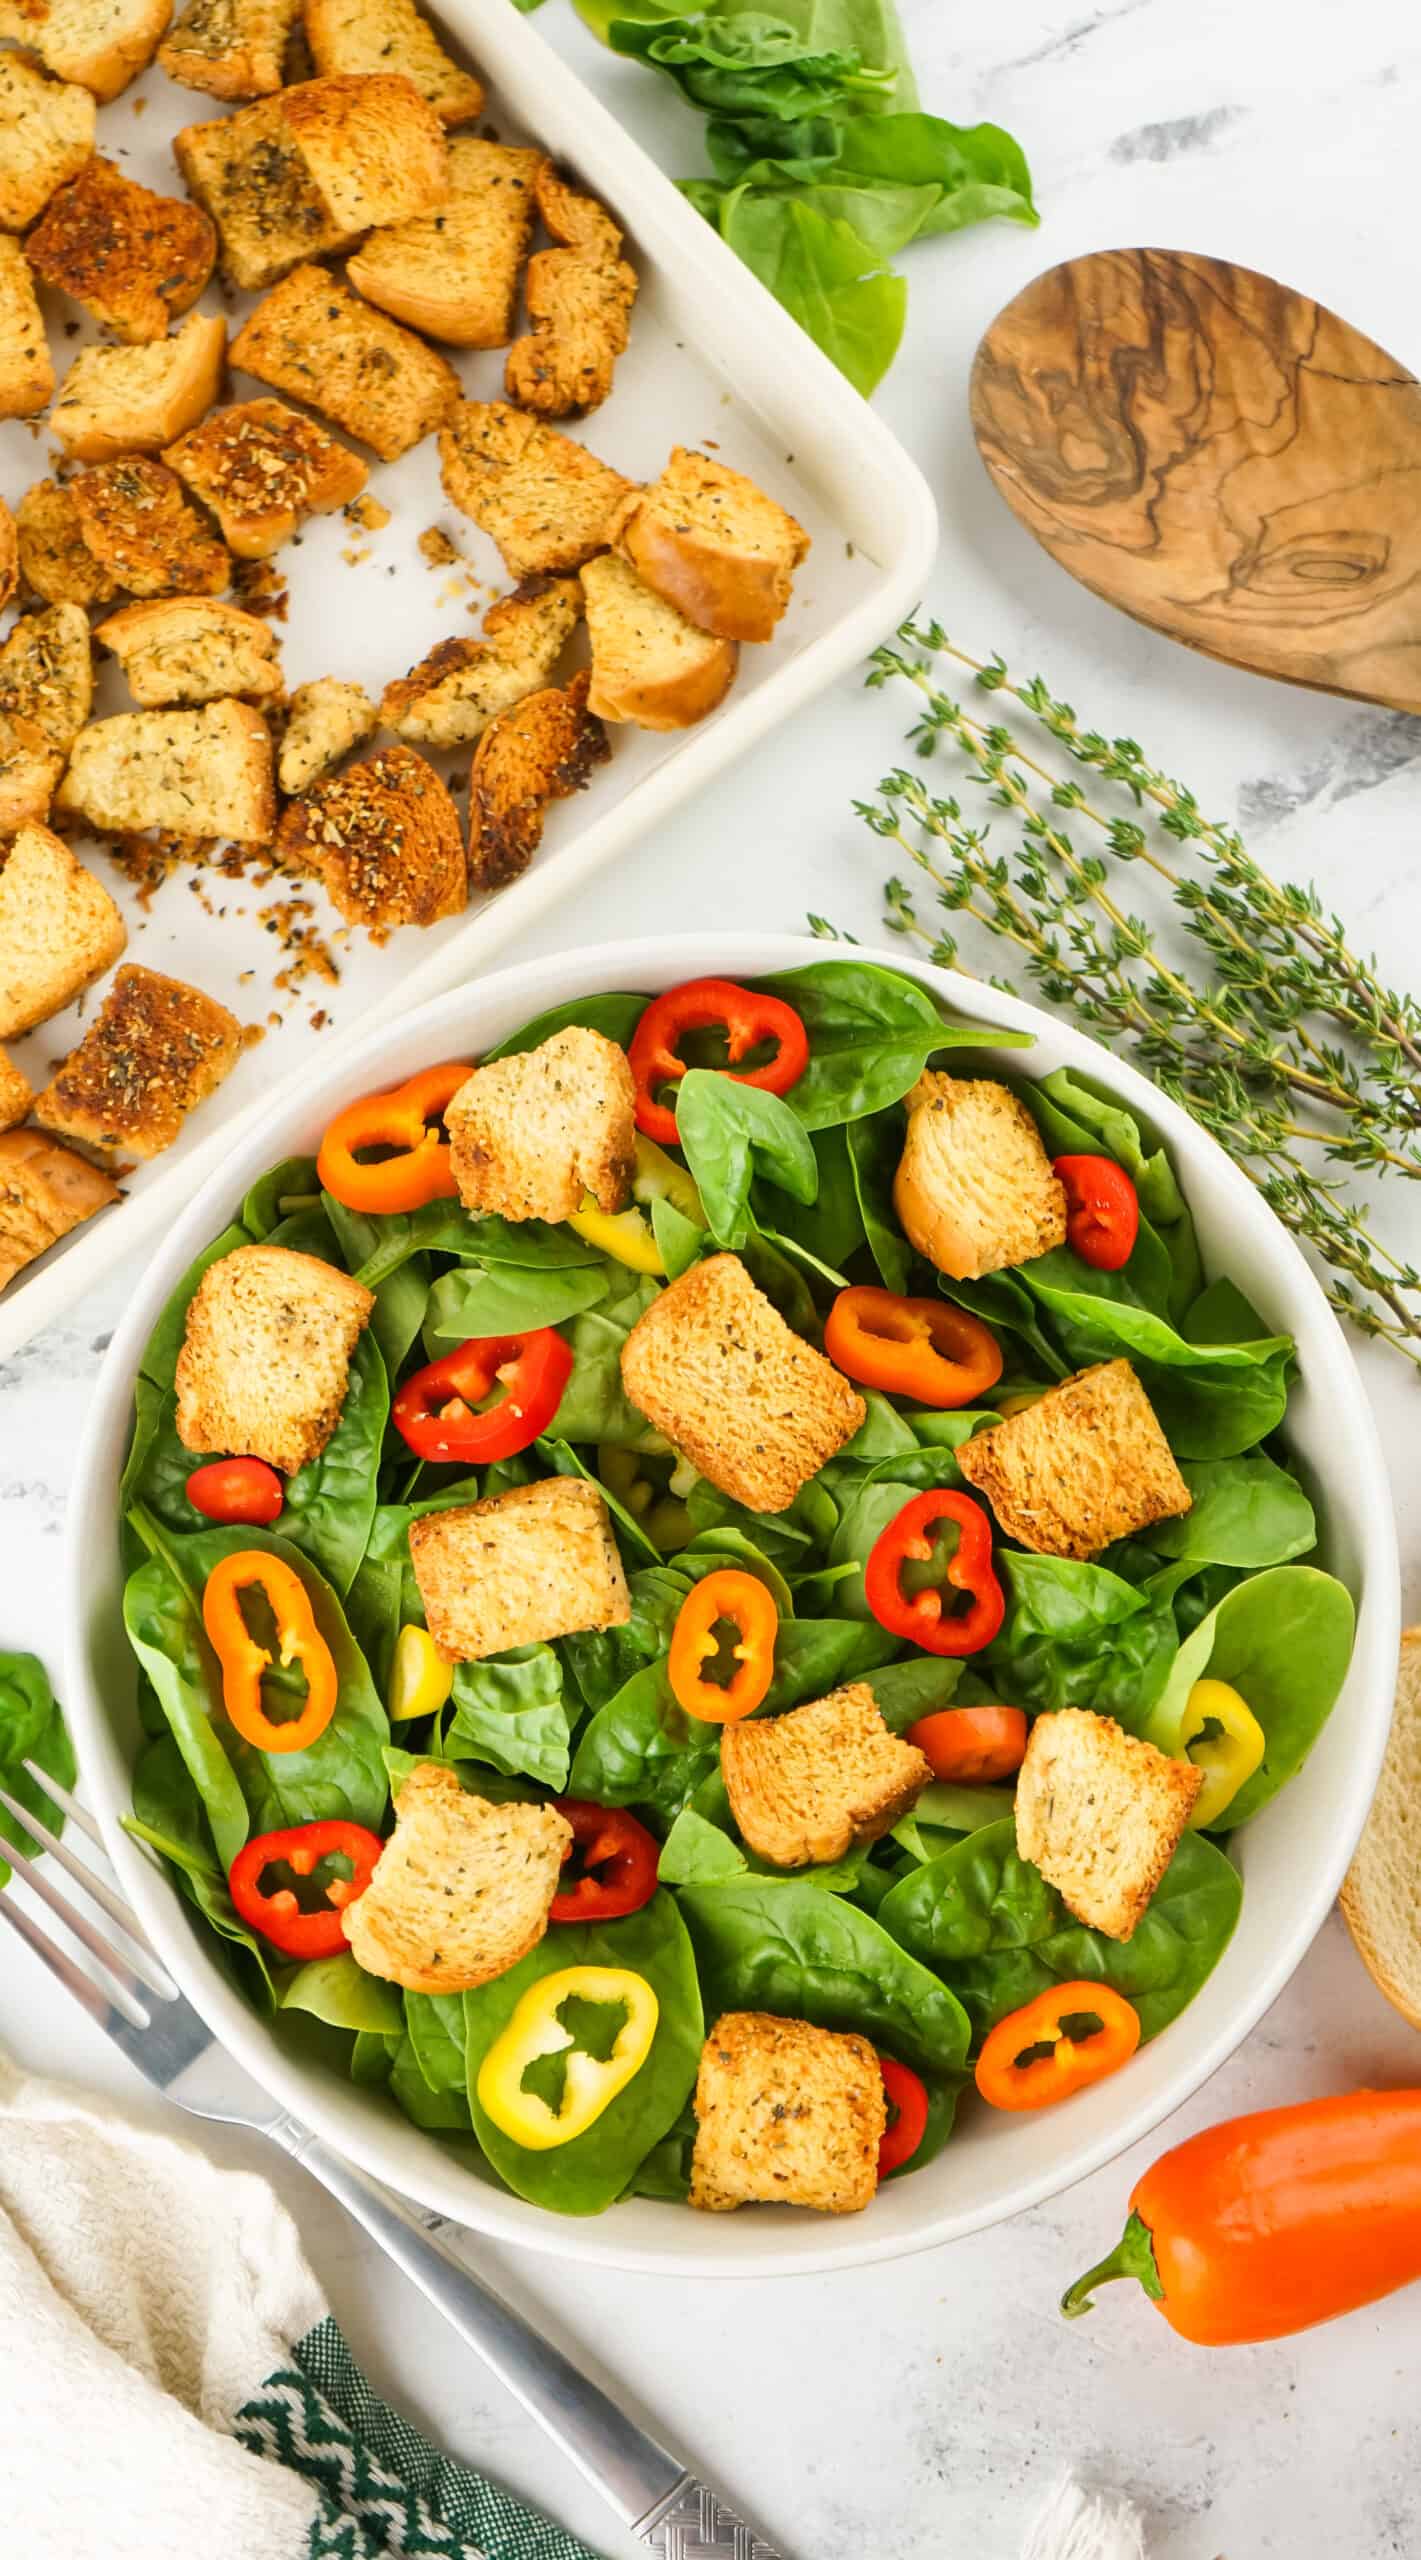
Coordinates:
[730,1134]
[1283,1640]
[603,1661]
[1244,1512]
[330,1502]
[871,1033]
[799,1953]
[974,171]
[284,1192]
[875,1145]
[169,1814]
[163,1623]
[434,2023]
[904,1691]
[944,1814]
[814,1655]
[31,1728]
[342,1994]
[482,1299]
[643,1749]
[679,1241]
[434,2110]
[615,1015]
[828,279]
[1077,1635]
[594,1404]
[511,1711]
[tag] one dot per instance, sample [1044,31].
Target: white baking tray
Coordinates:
[712,359]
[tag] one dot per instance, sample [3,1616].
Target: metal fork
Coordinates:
[130,1996]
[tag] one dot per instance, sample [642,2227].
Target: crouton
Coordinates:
[519,1568]
[326,719]
[786,2113]
[102,44]
[713,544]
[29,771]
[462,1889]
[153,1052]
[453,273]
[133,259]
[374,147]
[546,748]
[390,35]
[385,837]
[250,174]
[184,773]
[190,649]
[713,1365]
[46,135]
[1100,1814]
[16,1093]
[46,690]
[266,1355]
[59,930]
[9,554]
[807,1786]
[974,1190]
[539,1134]
[1085,1464]
[544,500]
[45,1192]
[650,666]
[55,561]
[317,341]
[139,526]
[579,299]
[132,400]
[262,468]
[231,48]
[26,371]
[449,699]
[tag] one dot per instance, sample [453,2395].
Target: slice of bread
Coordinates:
[231,48]
[806,1787]
[262,468]
[786,2113]
[16,1094]
[579,299]
[462,1888]
[384,836]
[650,666]
[714,545]
[326,720]
[546,748]
[318,342]
[534,1135]
[266,1355]
[1101,1813]
[55,561]
[59,930]
[453,273]
[544,500]
[132,259]
[45,1192]
[26,368]
[449,699]
[1381,1895]
[46,135]
[192,649]
[1083,1465]
[390,35]
[136,522]
[103,44]
[127,400]
[519,1568]
[154,1051]
[182,773]
[974,1188]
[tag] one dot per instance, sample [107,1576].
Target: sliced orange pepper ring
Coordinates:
[918,1347]
[244,1661]
[971,1746]
[750,1609]
[422,1170]
[1062,2041]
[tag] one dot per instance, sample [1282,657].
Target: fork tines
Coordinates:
[123,1971]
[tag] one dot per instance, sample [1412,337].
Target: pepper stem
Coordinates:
[1133,2255]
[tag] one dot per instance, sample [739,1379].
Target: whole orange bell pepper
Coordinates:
[751,1610]
[422,1170]
[1062,2041]
[917,1347]
[244,1660]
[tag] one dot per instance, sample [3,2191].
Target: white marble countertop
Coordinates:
[918,2410]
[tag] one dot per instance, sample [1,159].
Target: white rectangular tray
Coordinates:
[713,358]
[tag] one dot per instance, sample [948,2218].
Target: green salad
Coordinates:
[778,1486]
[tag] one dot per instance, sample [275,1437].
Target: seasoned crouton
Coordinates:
[807,1786]
[153,1052]
[266,1355]
[16,1093]
[1085,1464]
[519,1568]
[374,147]
[453,273]
[262,468]
[103,44]
[786,2113]
[132,400]
[59,930]
[390,35]
[650,666]
[46,689]
[55,561]
[326,719]
[26,371]
[29,771]
[462,1888]
[45,1192]
[579,299]
[140,527]
[713,544]
[544,500]
[317,341]
[713,1365]
[544,749]
[190,649]
[231,48]
[449,699]
[385,837]
[251,175]
[1100,1814]
[9,554]
[134,259]
[974,1188]
[532,1136]
[46,135]
[185,773]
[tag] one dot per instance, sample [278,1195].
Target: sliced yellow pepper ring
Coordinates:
[628,1236]
[1221,1734]
[536,2029]
[420,1678]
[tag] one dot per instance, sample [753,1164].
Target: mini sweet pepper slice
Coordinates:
[302,1935]
[536,2030]
[742,1601]
[405,1120]
[244,1661]
[1062,2041]
[920,1615]
[1221,1734]
[627,1234]
[746,1019]
[918,1347]
[434,1410]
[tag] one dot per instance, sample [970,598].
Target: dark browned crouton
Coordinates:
[546,748]
[134,259]
[138,524]
[155,1050]
[384,835]
[231,48]
[262,468]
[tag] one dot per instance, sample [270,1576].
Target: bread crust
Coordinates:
[519,1568]
[262,469]
[544,499]
[1085,1464]
[26,368]
[1380,1899]
[545,748]
[233,49]
[363,36]
[786,2113]
[714,544]
[266,1352]
[453,273]
[532,1136]
[45,1192]
[463,1888]
[59,930]
[47,132]
[650,666]
[807,1787]
[200,773]
[1100,1814]
[101,44]
[137,522]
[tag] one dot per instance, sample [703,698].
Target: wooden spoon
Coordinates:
[1224,459]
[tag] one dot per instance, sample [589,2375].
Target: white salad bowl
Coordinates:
[1293,1856]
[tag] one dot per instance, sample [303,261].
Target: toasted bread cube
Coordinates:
[262,468]
[55,561]
[133,259]
[544,500]
[1087,1463]
[545,748]
[806,1787]
[102,44]
[462,1889]
[317,341]
[45,1192]
[974,1189]
[453,273]
[26,371]
[714,545]
[390,35]
[16,1094]
[138,525]
[154,1051]
[266,1355]
[231,48]
[533,1136]
[385,837]
[29,772]
[650,666]
[326,720]
[449,699]
[375,148]
[519,1568]
[1101,1814]
[579,300]
[46,135]
[59,930]
[713,1365]
[132,400]
[249,172]
[184,773]
[786,2113]
[46,688]
[191,649]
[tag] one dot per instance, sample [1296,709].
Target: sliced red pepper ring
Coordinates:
[403,1119]
[244,1660]
[971,1746]
[241,1492]
[1062,2041]
[617,1857]
[1102,1210]
[918,1347]
[744,1601]
[433,1412]
[706,1004]
[920,1615]
[279,1916]
[908,2102]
